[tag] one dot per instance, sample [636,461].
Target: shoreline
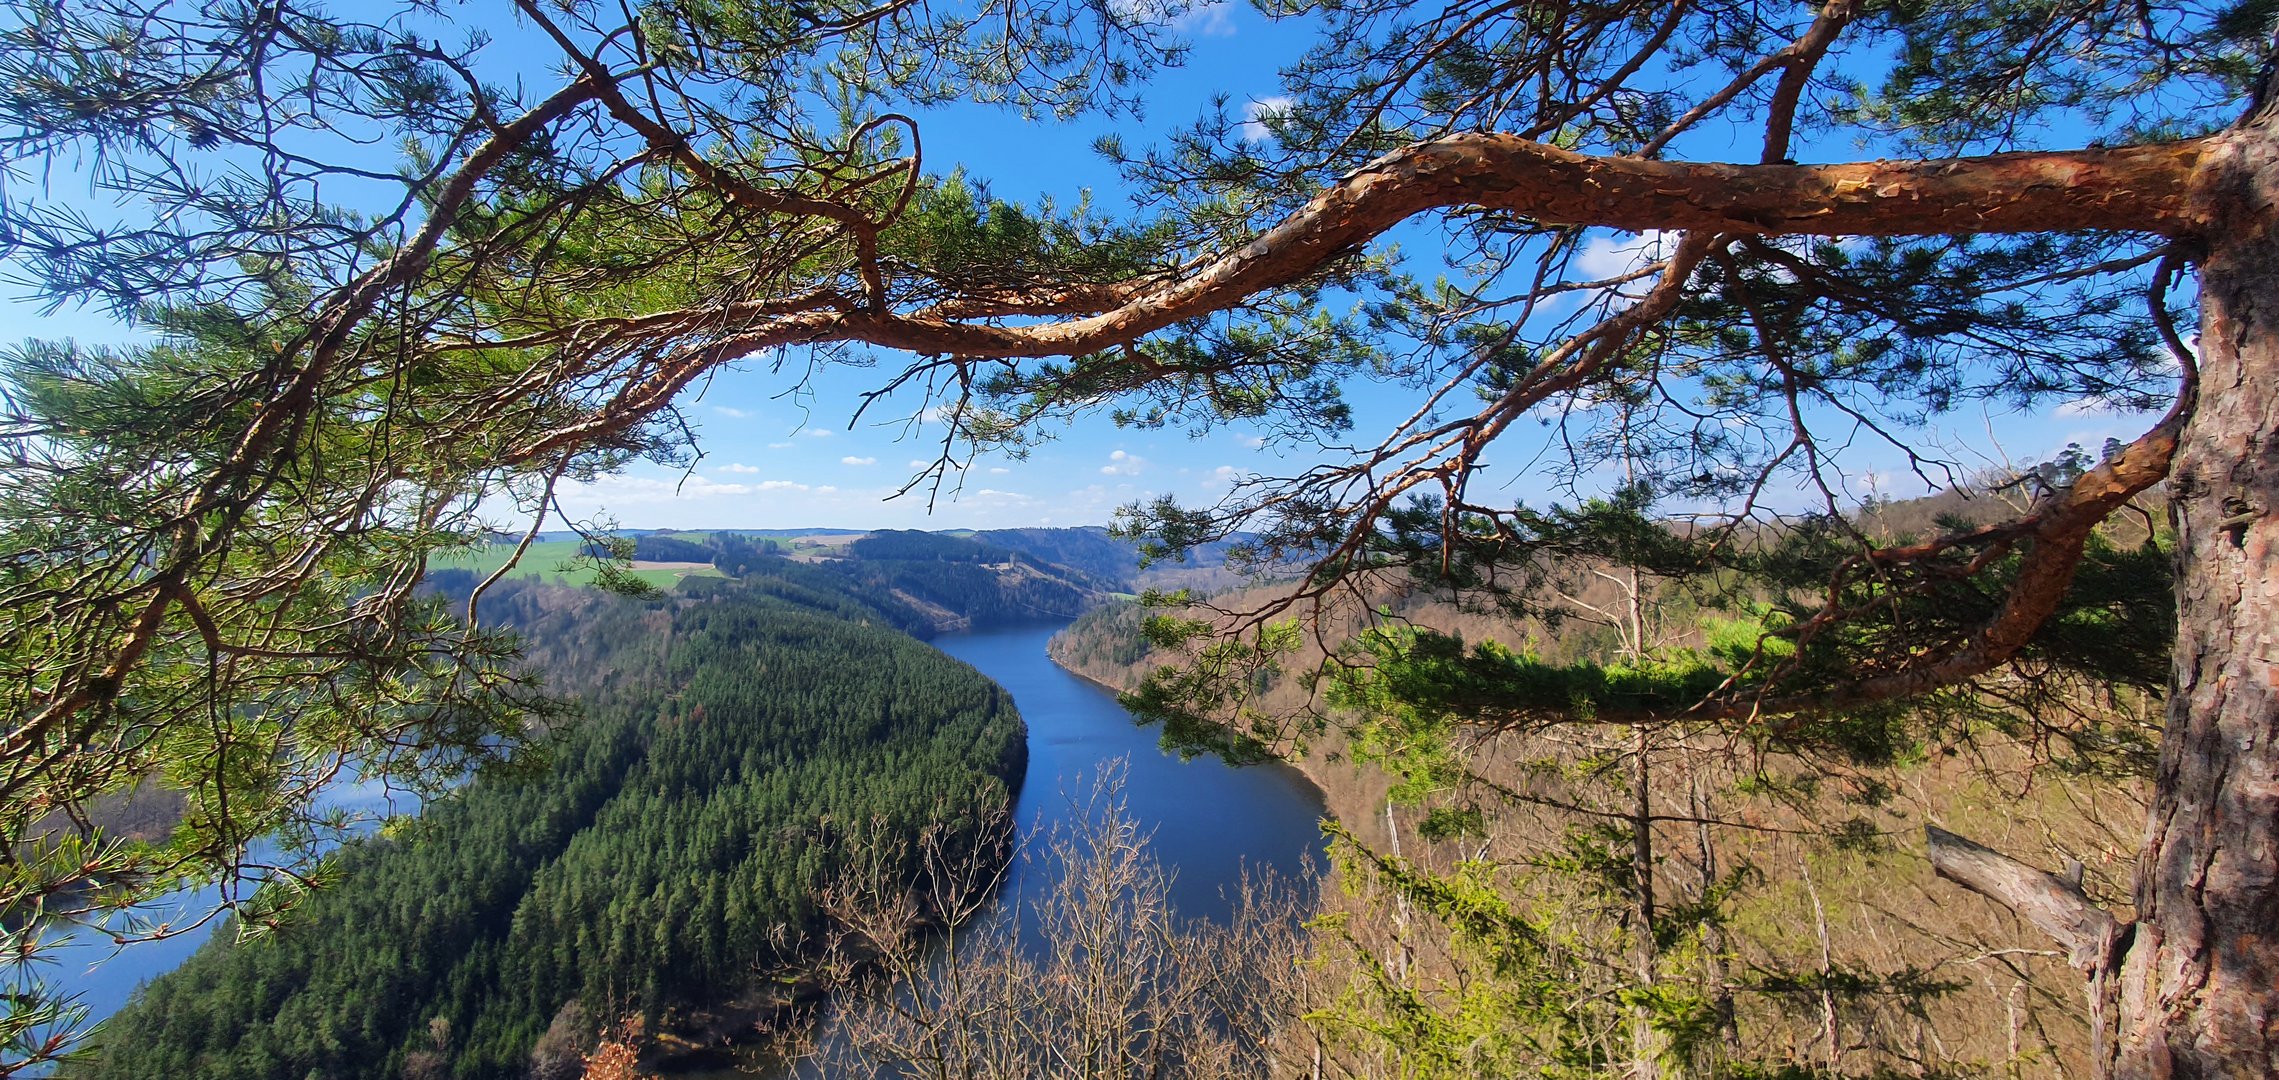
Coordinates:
[1302,766]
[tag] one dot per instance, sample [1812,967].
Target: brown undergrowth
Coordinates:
[1815,935]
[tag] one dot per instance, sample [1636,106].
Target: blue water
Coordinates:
[101,975]
[1208,821]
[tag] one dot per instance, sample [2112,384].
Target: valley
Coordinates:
[656,862]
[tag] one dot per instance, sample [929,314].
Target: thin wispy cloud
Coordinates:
[618,489]
[1204,20]
[1258,114]
[1208,20]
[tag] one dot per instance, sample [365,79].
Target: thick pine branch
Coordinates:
[2051,903]
[2135,188]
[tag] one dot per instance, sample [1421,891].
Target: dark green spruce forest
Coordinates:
[665,852]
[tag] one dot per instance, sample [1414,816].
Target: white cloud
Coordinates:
[779,446]
[1223,476]
[1256,113]
[920,463]
[1250,442]
[1123,464]
[2094,406]
[618,489]
[818,433]
[656,498]
[1208,19]
[739,468]
[1611,256]
[851,460]
[732,414]
[998,470]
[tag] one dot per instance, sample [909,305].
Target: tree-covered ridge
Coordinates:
[1111,556]
[913,544]
[669,854]
[933,582]
[526,292]
[921,583]
[668,548]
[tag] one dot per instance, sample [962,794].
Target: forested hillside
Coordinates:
[922,583]
[666,854]
[1111,558]
[1525,898]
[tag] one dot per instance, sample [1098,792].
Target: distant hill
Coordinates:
[1089,549]
[976,582]
[920,582]
[565,534]
[1095,551]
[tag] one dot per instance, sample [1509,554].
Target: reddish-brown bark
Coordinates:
[2199,986]
[2133,188]
[2192,985]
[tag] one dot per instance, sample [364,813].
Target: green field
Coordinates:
[550,560]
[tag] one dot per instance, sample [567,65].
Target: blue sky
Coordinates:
[774,458]
[778,461]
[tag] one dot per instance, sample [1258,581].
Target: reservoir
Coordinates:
[1206,822]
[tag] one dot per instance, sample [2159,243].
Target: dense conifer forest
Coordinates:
[984,582]
[666,853]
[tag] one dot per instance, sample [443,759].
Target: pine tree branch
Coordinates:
[2051,903]
[2134,188]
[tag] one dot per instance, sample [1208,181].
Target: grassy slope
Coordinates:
[551,561]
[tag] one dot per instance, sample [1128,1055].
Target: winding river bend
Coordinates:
[1208,821]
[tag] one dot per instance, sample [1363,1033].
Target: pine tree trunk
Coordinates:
[2199,976]
[1647,1043]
